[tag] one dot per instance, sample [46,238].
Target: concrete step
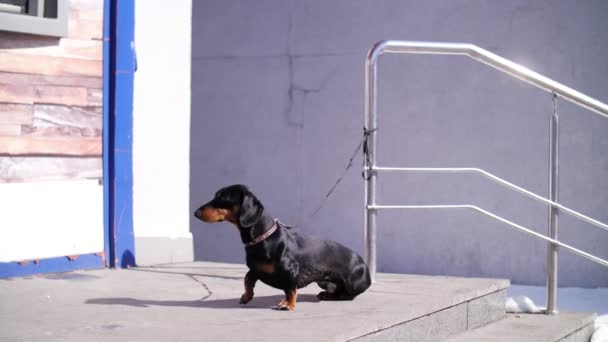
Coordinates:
[199,302]
[426,308]
[565,327]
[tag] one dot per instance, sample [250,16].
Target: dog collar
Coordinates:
[263,236]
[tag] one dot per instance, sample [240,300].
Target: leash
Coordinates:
[366,162]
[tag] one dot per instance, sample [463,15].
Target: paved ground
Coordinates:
[199,302]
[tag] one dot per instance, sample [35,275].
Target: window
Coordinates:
[41,17]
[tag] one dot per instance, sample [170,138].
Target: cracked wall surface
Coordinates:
[277,103]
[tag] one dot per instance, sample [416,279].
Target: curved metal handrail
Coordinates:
[497,218]
[512,69]
[502,182]
[493,60]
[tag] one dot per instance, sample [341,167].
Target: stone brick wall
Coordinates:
[51,100]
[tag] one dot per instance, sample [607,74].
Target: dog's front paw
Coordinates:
[285,305]
[246,297]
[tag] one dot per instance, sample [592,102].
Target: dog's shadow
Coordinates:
[263,302]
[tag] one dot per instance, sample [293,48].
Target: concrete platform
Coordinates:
[199,302]
[565,327]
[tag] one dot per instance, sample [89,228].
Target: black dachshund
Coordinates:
[282,258]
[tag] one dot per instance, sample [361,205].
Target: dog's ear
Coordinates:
[251,210]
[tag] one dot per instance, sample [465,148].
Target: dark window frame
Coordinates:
[39,17]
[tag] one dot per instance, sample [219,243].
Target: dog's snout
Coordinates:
[198,213]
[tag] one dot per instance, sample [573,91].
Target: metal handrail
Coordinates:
[497,218]
[502,182]
[512,69]
[493,60]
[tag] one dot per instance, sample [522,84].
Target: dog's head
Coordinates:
[235,204]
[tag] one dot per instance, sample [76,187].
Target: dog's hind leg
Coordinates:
[334,290]
[327,286]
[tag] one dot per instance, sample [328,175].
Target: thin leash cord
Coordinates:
[366,162]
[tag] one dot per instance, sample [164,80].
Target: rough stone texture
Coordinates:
[277,92]
[47,146]
[10,130]
[95,97]
[49,65]
[51,98]
[20,169]
[566,327]
[11,93]
[29,79]
[62,116]
[486,309]
[582,335]
[22,43]
[12,113]
[70,96]
[434,327]
[448,322]
[199,302]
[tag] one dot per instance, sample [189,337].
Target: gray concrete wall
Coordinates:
[277,103]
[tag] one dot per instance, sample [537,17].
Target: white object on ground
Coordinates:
[601,329]
[521,304]
[568,298]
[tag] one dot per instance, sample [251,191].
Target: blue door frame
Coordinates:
[119,59]
[119,66]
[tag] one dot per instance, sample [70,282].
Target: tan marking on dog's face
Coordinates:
[212,215]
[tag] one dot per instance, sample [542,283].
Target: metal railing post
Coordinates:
[371,123]
[371,169]
[552,248]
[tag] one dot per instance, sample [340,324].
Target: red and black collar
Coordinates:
[273,228]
